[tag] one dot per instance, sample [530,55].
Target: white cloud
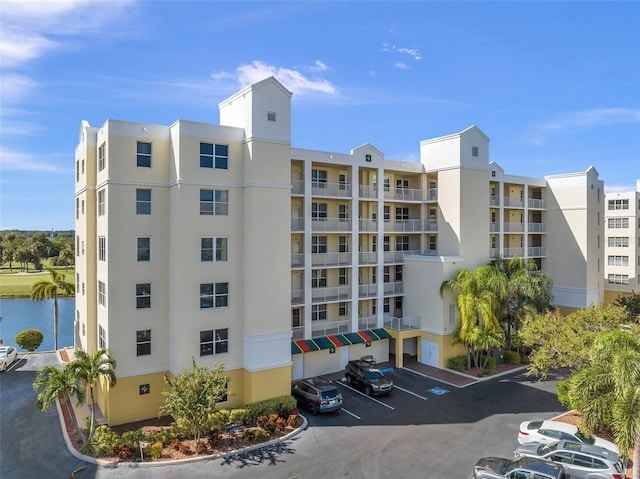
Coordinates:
[412,52]
[20,47]
[15,87]
[17,161]
[318,67]
[294,80]
[593,118]
[401,65]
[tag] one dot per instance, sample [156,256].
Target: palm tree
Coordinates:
[48,289]
[481,293]
[608,390]
[92,369]
[52,383]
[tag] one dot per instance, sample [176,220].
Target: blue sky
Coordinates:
[554,85]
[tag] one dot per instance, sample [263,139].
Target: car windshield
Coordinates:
[547,448]
[3,352]
[585,439]
[373,374]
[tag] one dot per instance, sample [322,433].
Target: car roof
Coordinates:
[540,465]
[556,425]
[597,451]
[319,383]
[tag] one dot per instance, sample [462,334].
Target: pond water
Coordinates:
[18,314]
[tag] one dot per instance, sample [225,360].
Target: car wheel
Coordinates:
[368,391]
[349,380]
[313,409]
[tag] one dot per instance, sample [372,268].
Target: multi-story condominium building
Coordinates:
[622,244]
[226,244]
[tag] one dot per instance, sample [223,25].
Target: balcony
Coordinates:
[366,191]
[494,227]
[325,295]
[369,322]
[537,227]
[367,257]
[297,296]
[330,259]
[536,203]
[327,328]
[514,227]
[409,194]
[367,225]
[297,187]
[324,225]
[338,190]
[410,226]
[367,290]
[513,252]
[297,260]
[297,224]
[513,202]
[536,252]
[393,257]
[297,333]
[494,201]
[402,324]
[393,289]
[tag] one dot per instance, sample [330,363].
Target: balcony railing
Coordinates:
[337,293]
[401,324]
[326,328]
[367,290]
[408,226]
[537,227]
[367,224]
[370,322]
[367,257]
[494,252]
[513,252]
[536,203]
[513,202]
[393,288]
[330,224]
[494,227]
[297,224]
[340,190]
[393,257]
[536,252]
[330,259]
[297,333]
[494,200]
[297,296]
[366,191]
[297,187]
[406,194]
[513,227]
[297,260]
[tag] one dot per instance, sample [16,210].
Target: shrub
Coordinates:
[123,452]
[238,416]
[184,448]
[281,424]
[155,451]
[282,406]
[201,447]
[175,444]
[132,439]
[218,420]
[104,440]
[292,420]
[491,364]
[29,339]
[260,435]
[457,363]
[512,357]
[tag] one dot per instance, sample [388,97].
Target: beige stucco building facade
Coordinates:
[226,244]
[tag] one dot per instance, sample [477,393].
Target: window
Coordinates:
[102,194]
[82,203]
[433,245]
[618,261]
[83,166]
[77,170]
[101,157]
[618,223]
[387,213]
[402,184]
[386,243]
[343,276]
[102,338]
[143,249]
[387,274]
[386,305]
[319,278]
[343,182]
[102,293]
[77,208]
[618,279]
[102,248]
[402,243]
[402,214]
[318,312]
[295,318]
[343,212]
[78,245]
[143,202]
[618,204]
[214,341]
[143,158]
[398,274]
[318,244]
[77,281]
[214,249]
[143,342]
[343,246]
[214,295]
[386,183]
[318,178]
[343,309]
[143,295]
[618,241]
[474,151]
[214,202]
[319,211]
[214,156]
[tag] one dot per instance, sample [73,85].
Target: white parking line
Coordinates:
[351,414]
[363,394]
[409,392]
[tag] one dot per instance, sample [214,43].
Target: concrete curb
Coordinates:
[133,464]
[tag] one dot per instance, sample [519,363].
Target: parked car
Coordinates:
[522,468]
[8,354]
[317,395]
[546,432]
[365,374]
[580,461]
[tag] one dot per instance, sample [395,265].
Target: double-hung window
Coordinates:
[143,202]
[402,243]
[143,295]
[143,342]
[143,249]
[318,244]
[402,214]
[102,293]
[318,312]
[143,154]
[102,196]
[214,249]
[102,338]
[343,246]
[319,178]
[102,248]
[618,241]
[319,278]
[343,276]
[618,204]
[214,295]
[214,156]
[618,261]
[319,211]
[618,223]
[214,202]
[101,157]
[214,341]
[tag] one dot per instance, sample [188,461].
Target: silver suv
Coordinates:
[522,468]
[317,395]
[581,461]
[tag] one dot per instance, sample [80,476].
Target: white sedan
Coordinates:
[546,432]
[8,355]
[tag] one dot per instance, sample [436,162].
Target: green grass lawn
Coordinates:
[16,285]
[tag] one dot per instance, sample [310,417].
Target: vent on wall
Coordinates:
[271,116]
[367,158]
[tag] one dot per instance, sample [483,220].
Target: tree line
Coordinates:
[24,248]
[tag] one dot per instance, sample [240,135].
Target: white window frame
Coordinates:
[217,159]
[143,295]
[143,340]
[101,156]
[216,202]
[102,195]
[318,178]
[143,205]
[319,278]
[143,159]
[214,295]
[618,223]
[143,248]
[217,252]
[318,312]
[102,294]
[102,248]
[318,244]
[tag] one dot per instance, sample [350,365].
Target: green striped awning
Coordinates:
[338,340]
